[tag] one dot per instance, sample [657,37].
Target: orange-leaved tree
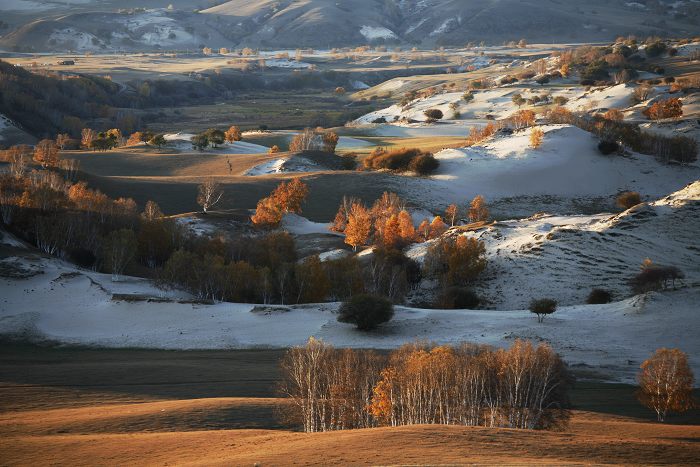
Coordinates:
[666,383]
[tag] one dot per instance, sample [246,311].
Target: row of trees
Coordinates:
[330,389]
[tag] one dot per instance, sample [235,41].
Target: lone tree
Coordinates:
[366,311]
[666,383]
[451,213]
[151,211]
[543,307]
[478,212]
[158,141]
[209,194]
[359,226]
[233,134]
[536,137]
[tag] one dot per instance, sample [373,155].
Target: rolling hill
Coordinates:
[330,23]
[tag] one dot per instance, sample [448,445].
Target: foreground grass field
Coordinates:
[62,406]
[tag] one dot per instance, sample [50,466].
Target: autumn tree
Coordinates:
[668,108]
[451,213]
[391,234]
[233,134]
[423,230]
[274,149]
[87,136]
[209,193]
[478,211]
[267,213]
[523,119]
[307,140]
[46,153]
[62,140]
[407,231]
[341,218]
[666,383]
[330,141]
[614,115]
[289,196]
[151,211]
[18,157]
[437,227]
[536,137]
[359,226]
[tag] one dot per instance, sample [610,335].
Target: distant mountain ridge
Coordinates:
[335,23]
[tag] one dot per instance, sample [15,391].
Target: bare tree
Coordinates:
[119,250]
[209,194]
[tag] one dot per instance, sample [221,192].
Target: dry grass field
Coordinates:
[134,407]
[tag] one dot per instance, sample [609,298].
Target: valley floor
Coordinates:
[73,406]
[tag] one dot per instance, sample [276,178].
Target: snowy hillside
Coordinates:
[565,257]
[567,166]
[76,307]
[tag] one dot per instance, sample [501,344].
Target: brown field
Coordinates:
[63,406]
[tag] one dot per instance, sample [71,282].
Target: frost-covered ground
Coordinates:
[72,306]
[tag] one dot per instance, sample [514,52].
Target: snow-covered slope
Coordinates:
[565,257]
[71,306]
[567,165]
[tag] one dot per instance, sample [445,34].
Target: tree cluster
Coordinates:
[523,387]
[402,160]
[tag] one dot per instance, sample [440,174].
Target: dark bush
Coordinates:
[655,49]
[424,164]
[433,114]
[83,257]
[366,312]
[608,147]
[543,307]
[599,297]
[379,120]
[460,298]
[655,278]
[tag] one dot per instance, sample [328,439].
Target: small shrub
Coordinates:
[433,114]
[599,297]
[402,160]
[543,307]
[424,164]
[366,312]
[628,199]
[379,120]
[608,147]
